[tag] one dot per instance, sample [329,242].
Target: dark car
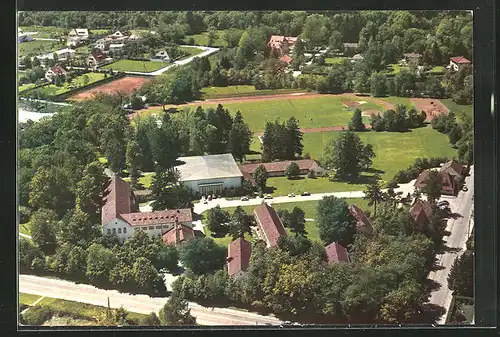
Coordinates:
[305,194]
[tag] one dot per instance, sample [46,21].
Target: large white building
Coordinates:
[210,174]
[118,217]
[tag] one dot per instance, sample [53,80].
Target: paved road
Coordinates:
[135,303]
[206,51]
[44,39]
[459,229]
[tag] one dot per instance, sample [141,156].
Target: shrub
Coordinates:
[311,174]
[36,315]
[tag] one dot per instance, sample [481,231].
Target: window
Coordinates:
[151,228]
[119,230]
[124,230]
[109,231]
[114,230]
[158,227]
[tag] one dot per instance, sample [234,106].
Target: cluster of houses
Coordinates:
[283,46]
[451,176]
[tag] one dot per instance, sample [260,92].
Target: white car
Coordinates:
[244,199]
[291,195]
[268,196]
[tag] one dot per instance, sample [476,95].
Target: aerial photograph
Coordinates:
[245,168]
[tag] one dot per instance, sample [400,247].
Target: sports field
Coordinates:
[124,85]
[241,90]
[138,66]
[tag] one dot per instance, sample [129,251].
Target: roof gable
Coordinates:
[158,217]
[459,60]
[270,223]
[117,201]
[178,234]
[335,252]
[360,216]
[239,252]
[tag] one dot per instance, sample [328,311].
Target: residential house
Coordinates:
[286,59]
[363,224]
[96,58]
[335,253]
[209,174]
[116,47]
[55,71]
[449,186]
[282,44]
[62,55]
[162,56]
[421,213]
[103,44]
[119,36]
[238,257]
[357,58]
[77,36]
[277,169]
[270,227]
[118,216]
[350,48]
[178,234]
[455,169]
[458,62]
[412,58]
[23,37]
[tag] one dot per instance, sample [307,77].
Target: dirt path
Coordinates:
[431,107]
[321,129]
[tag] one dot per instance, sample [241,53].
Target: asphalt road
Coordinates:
[135,303]
[459,229]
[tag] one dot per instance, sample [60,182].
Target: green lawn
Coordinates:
[25,228]
[27,299]
[398,100]
[202,39]
[241,90]
[191,50]
[438,69]
[458,109]
[224,241]
[26,86]
[335,60]
[132,65]
[45,31]
[310,211]
[83,50]
[77,82]
[310,112]
[145,180]
[39,47]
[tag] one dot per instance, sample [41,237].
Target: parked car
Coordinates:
[214,196]
[244,199]
[205,201]
[268,196]
[209,198]
[443,203]
[464,188]
[291,195]
[305,194]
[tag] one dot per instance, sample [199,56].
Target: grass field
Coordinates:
[241,90]
[438,69]
[458,109]
[335,60]
[26,86]
[310,211]
[38,47]
[77,82]
[202,39]
[224,241]
[191,50]
[132,65]
[398,100]
[145,180]
[310,112]
[27,299]
[45,31]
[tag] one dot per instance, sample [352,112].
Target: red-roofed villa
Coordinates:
[458,62]
[270,227]
[238,257]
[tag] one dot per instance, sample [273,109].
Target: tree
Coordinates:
[77,228]
[176,312]
[367,156]
[100,261]
[168,257]
[461,276]
[260,177]
[344,155]
[162,188]
[240,223]
[133,158]
[378,84]
[43,230]
[294,144]
[292,170]
[150,320]
[145,274]
[90,191]
[202,255]
[297,221]
[432,187]
[377,123]
[240,137]
[217,220]
[77,262]
[356,123]
[374,194]
[335,222]
[404,303]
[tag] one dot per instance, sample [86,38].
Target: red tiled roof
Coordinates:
[335,252]
[238,256]
[178,234]
[286,59]
[98,55]
[291,40]
[279,166]
[460,60]
[447,182]
[58,70]
[453,167]
[158,217]
[360,217]
[269,223]
[421,212]
[277,38]
[117,201]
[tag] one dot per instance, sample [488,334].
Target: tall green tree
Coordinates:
[240,223]
[217,220]
[77,228]
[374,194]
[292,170]
[90,191]
[260,177]
[133,160]
[297,221]
[335,222]
[344,155]
[100,261]
[202,255]
[461,276]
[432,187]
[356,123]
[176,312]
[43,230]
[294,144]
[240,137]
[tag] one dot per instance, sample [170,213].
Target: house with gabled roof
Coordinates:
[178,234]
[458,62]
[77,36]
[270,227]
[239,252]
[363,224]
[96,58]
[278,168]
[336,253]
[454,168]
[117,216]
[449,185]
[357,58]
[282,44]
[55,71]
[421,213]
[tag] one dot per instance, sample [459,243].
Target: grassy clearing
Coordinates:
[77,82]
[335,60]
[27,299]
[458,109]
[398,100]
[45,32]
[38,47]
[24,87]
[191,50]
[438,69]
[145,180]
[25,228]
[241,90]
[133,65]
[202,39]
[80,309]
[226,240]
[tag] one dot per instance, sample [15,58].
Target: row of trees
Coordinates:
[282,141]
[398,120]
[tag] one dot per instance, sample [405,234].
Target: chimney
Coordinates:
[177,229]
